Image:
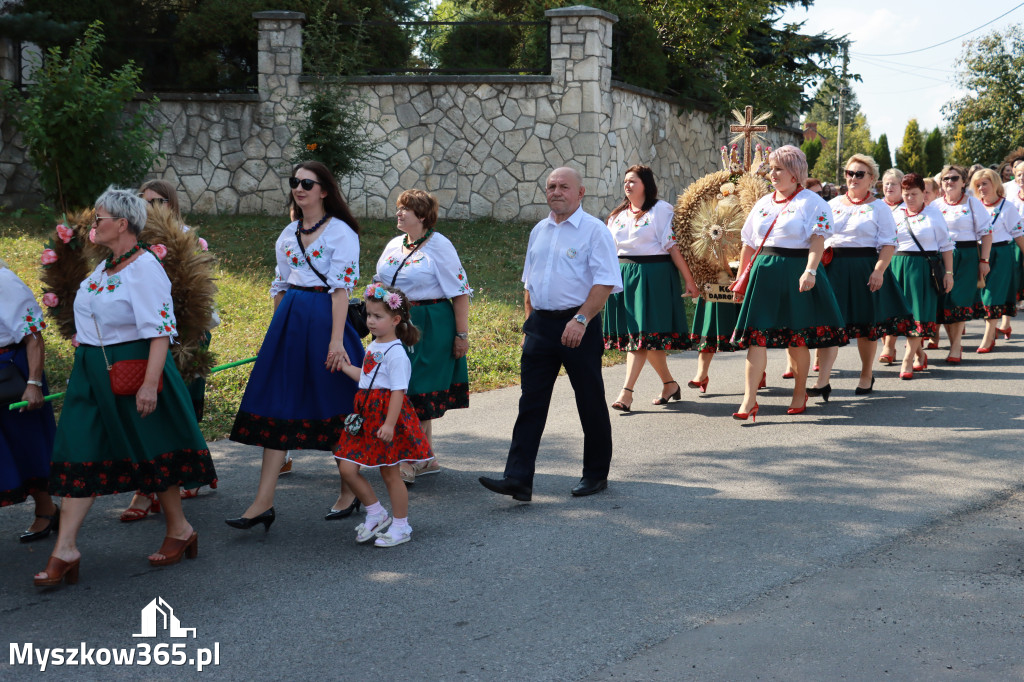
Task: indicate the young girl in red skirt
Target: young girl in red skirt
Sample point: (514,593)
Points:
(390,432)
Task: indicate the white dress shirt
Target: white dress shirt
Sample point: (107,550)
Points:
(861,226)
(929,227)
(648,235)
(395,367)
(131,305)
(564,261)
(432,271)
(335,255)
(805,215)
(1005,221)
(967,220)
(20,315)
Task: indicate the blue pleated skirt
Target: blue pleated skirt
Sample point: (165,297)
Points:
(26,442)
(291,401)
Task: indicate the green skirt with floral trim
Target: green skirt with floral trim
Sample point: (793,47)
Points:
(776,314)
(713,324)
(649,313)
(868,314)
(963,302)
(999,296)
(102,446)
(439,382)
(1018,272)
(913,273)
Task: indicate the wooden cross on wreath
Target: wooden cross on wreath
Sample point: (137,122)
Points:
(748,126)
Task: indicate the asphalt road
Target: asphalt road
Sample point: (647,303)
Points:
(860,540)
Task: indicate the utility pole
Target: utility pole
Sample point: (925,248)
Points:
(843,92)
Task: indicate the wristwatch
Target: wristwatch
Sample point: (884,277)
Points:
(462,335)
(814,273)
(581,318)
(33,382)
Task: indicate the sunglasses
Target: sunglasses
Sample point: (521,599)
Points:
(856,174)
(951,178)
(155,201)
(307,184)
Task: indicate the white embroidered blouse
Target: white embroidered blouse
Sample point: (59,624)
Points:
(20,315)
(929,227)
(395,369)
(862,226)
(1005,221)
(432,271)
(131,305)
(335,255)
(966,220)
(648,235)
(804,216)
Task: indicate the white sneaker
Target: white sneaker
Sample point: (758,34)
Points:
(393,537)
(373,525)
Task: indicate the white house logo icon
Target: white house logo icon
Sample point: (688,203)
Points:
(158,615)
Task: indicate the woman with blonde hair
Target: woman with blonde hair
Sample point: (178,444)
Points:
(892,191)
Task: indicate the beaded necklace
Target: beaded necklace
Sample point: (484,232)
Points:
(891,205)
(857,202)
(799,187)
(316,226)
(955,203)
(114,262)
(413,245)
(988,205)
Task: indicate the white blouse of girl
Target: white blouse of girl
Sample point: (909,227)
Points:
(929,227)
(967,220)
(647,235)
(130,305)
(862,226)
(433,271)
(395,368)
(1007,224)
(20,315)
(804,216)
(335,255)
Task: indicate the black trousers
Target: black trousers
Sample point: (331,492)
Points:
(543,355)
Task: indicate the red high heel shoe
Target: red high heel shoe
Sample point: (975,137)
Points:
(986,349)
(918,368)
(133,514)
(798,410)
(932,344)
(764,381)
(742,416)
(907,376)
(58,570)
(702,384)
(886,359)
(787,375)
(1005,332)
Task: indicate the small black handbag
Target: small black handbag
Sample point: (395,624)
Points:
(12,383)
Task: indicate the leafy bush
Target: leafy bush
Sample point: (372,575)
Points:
(80,131)
(812,150)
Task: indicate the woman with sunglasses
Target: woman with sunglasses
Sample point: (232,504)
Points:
(862,243)
(999,295)
(297,396)
(788,301)
(968,224)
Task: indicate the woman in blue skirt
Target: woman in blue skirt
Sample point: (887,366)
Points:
(297,396)
(788,302)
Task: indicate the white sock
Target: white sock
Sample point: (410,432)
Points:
(401,524)
(376,511)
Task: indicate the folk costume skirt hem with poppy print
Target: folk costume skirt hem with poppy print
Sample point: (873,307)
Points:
(649,312)
(439,382)
(868,314)
(963,302)
(292,402)
(26,441)
(913,273)
(409,443)
(713,324)
(776,314)
(999,297)
(103,446)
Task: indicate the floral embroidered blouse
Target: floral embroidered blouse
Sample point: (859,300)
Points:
(131,305)
(868,225)
(966,220)
(648,235)
(433,271)
(20,315)
(394,372)
(929,228)
(1005,221)
(335,255)
(804,216)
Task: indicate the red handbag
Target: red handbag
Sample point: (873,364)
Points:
(127,376)
(740,285)
(826,255)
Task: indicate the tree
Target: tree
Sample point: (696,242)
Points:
(812,150)
(989,120)
(881,154)
(934,153)
(911,156)
(81,132)
(856,140)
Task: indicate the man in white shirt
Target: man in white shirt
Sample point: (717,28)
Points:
(570,270)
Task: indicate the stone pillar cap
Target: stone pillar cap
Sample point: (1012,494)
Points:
(279,14)
(580,11)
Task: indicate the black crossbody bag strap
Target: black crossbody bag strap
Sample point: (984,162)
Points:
(402,264)
(298,238)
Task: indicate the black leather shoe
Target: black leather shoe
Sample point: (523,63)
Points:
(53,525)
(242,523)
(335,514)
(589,486)
(508,486)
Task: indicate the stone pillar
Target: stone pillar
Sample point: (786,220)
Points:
(581,95)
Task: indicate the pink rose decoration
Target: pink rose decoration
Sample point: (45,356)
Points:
(66,234)
(159,250)
(50,299)
(92,235)
(74,340)
(203,245)
(49,257)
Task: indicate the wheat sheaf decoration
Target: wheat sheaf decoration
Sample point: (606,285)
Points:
(716,230)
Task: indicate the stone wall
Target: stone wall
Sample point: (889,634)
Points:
(482,144)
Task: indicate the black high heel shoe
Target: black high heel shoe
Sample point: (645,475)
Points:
(32,536)
(825,391)
(242,523)
(678,395)
(335,514)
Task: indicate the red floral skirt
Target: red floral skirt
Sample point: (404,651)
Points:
(365,448)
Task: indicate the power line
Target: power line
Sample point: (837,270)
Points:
(909,73)
(944,42)
(900,92)
(879,62)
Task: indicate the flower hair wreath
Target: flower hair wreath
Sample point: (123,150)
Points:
(392,299)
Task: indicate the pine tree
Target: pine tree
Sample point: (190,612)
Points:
(812,150)
(882,155)
(911,156)
(933,150)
